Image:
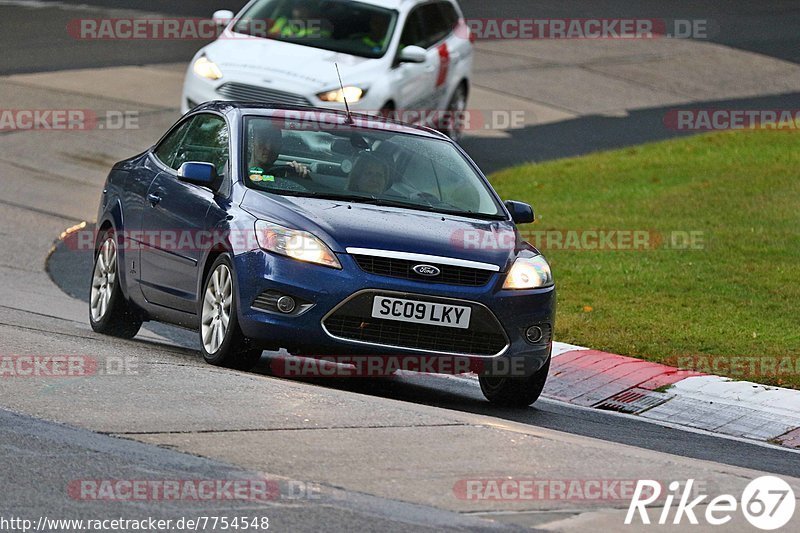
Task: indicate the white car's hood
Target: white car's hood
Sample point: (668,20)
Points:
(270,61)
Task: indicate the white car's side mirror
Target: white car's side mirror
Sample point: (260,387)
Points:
(413,54)
(222,17)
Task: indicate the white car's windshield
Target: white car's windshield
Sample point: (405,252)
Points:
(304,158)
(338,25)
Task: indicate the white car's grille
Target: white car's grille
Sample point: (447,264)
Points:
(250,93)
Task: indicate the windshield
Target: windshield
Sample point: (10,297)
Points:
(338,25)
(303,158)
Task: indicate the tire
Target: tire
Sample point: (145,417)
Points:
(109,312)
(388,111)
(515,392)
(453,126)
(221,339)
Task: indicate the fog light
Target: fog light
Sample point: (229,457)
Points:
(286,304)
(534,334)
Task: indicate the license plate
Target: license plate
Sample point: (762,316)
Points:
(435,314)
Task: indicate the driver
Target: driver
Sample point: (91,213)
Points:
(375,40)
(267,144)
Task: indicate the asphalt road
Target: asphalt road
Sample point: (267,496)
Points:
(767,28)
(385,454)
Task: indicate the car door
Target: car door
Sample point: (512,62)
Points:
(414,80)
(423,84)
(175,219)
(457,49)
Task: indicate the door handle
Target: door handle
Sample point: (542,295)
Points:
(154,199)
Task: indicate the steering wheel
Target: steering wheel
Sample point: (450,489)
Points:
(281,171)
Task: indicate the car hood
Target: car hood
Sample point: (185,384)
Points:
(269,61)
(345,225)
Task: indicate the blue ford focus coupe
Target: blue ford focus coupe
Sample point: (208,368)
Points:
(324,233)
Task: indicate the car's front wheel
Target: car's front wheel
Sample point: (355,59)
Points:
(453,120)
(222,340)
(515,392)
(109,312)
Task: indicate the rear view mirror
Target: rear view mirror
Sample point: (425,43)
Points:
(521,213)
(222,17)
(197,173)
(343,147)
(413,54)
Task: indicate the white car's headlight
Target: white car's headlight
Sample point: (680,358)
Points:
(300,245)
(205,68)
(529,273)
(353,95)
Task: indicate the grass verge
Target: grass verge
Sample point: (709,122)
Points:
(716,286)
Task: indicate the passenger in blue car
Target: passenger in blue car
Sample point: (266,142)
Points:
(370,175)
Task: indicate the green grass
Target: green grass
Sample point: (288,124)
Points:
(737,296)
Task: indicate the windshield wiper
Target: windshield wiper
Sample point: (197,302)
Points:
(434,209)
(374,200)
(360,198)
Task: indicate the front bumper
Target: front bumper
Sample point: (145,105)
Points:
(324,290)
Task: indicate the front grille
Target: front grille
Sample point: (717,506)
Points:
(251,93)
(353,321)
(402,268)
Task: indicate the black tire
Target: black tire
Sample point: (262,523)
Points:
(235,350)
(118,317)
(387,111)
(452,125)
(515,392)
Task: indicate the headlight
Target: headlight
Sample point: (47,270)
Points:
(353,94)
(205,68)
(300,245)
(529,273)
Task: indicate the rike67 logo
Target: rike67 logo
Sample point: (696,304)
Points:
(768,503)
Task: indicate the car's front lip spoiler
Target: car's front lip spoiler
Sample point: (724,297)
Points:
(418,350)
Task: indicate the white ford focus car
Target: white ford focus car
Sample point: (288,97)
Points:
(410,58)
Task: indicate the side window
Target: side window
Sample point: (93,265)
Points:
(413,30)
(436,27)
(168,147)
(449,15)
(206,141)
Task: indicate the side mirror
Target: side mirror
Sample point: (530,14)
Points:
(196,173)
(222,17)
(521,213)
(412,54)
